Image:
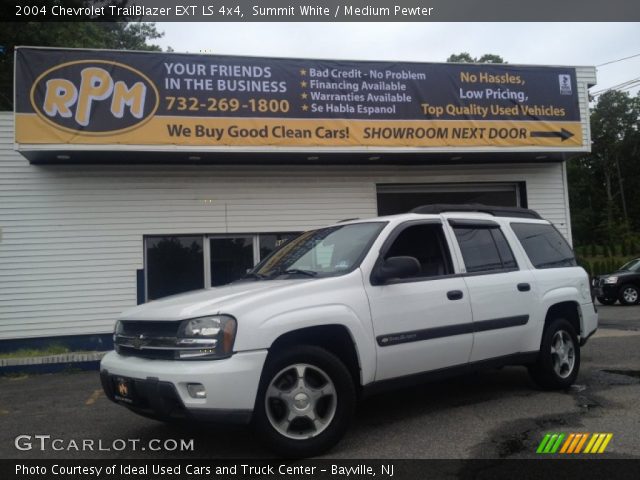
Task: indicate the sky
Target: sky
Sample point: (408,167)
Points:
(570,44)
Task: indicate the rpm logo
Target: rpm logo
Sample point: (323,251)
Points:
(94,97)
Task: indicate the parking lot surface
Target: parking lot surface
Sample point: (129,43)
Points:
(494,414)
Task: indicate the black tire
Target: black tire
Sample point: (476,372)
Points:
(606,300)
(629,294)
(555,370)
(301,437)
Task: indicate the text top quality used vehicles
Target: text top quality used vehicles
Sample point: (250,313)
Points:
(354,308)
(622,285)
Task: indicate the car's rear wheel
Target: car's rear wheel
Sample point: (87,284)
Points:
(606,300)
(629,294)
(559,359)
(305,401)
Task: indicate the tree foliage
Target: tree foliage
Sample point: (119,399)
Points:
(465,57)
(604,186)
(117,34)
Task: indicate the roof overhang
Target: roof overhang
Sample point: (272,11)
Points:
(195,157)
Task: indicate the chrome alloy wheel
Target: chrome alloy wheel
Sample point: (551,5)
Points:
(630,295)
(563,354)
(301,401)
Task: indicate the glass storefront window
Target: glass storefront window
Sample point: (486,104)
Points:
(270,241)
(174,265)
(230,259)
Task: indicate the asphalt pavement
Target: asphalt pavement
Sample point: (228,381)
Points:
(494,414)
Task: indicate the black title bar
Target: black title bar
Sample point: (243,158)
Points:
(322,10)
(392,469)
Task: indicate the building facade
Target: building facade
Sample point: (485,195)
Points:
(82,241)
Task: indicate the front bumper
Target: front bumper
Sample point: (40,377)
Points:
(588,322)
(607,290)
(160,386)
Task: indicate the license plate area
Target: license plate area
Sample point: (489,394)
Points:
(124,390)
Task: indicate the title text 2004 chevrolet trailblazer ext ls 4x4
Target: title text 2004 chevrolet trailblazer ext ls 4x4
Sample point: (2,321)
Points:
(352,308)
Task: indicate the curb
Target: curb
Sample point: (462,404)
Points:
(64,362)
(71,357)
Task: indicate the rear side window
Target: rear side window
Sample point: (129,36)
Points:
(545,246)
(484,249)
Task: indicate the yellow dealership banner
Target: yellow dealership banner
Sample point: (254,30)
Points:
(317,133)
(93,97)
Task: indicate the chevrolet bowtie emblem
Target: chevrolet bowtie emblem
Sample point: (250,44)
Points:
(139,341)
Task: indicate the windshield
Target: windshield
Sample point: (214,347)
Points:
(324,252)
(633,265)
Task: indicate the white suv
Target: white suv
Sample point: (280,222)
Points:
(354,308)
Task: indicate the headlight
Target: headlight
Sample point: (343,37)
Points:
(207,337)
(117,330)
(611,280)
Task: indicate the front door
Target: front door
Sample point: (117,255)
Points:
(424,322)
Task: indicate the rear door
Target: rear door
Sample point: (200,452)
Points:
(502,295)
(423,322)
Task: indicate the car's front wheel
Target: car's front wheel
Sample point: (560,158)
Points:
(629,294)
(305,401)
(559,359)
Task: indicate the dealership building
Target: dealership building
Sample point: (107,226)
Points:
(129,176)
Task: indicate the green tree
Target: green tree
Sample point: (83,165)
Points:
(117,34)
(604,197)
(465,57)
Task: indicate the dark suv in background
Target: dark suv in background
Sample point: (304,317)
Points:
(623,285)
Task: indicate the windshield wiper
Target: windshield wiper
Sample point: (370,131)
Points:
(257,276)
(308,273)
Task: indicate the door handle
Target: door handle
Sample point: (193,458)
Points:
(454,295)
(524,287)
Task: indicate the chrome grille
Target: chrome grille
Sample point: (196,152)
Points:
(156,340)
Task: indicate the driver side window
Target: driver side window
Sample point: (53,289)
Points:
(427,244)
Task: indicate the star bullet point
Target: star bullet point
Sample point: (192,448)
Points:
(303,72)
(304,95)
(303,84)
(305,108)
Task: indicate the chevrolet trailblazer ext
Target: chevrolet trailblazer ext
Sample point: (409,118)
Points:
(353,308)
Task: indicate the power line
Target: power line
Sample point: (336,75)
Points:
(621,86)
(619,60)
(630,87)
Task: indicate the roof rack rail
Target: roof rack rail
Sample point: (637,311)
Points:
(496,211)
(347,220)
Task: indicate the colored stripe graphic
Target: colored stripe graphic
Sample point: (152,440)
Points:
(555,447)
(581,443)
(605,442)
(552,442)
(567,443)
(590,444)
(543,443)
(598,443)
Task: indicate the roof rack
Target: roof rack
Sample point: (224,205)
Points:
(496,211)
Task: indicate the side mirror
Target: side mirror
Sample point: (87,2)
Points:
(396,267)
